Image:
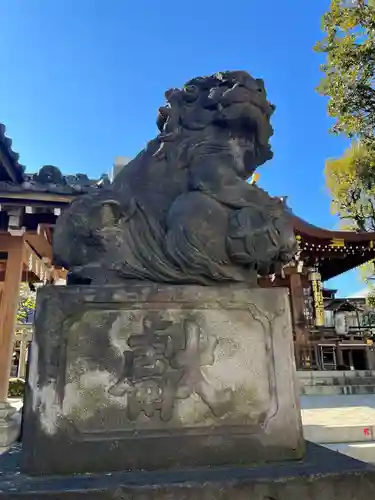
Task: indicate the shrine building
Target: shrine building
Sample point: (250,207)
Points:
(329,333)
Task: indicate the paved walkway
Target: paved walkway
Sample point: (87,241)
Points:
(343,410)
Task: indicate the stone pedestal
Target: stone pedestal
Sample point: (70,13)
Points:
(321,475)
(154,377)
(10,424)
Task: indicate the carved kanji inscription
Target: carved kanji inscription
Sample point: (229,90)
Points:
(164,363)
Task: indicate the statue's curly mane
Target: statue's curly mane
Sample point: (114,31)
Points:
(176,114)
(187,121)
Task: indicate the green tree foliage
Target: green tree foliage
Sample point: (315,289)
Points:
(370,299)
(351,181)
(348,82)
(16,388)
(26,305)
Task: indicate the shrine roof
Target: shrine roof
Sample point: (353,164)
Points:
(10,168)
(336,305)
(333,252)
(309,231)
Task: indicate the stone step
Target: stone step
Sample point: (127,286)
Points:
(334,373)
(332,390)
(336,381)
(339,433)
(360,451)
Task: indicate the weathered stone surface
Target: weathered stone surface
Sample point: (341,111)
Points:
(10,424)
(149,376)
(183,210)
(322,475)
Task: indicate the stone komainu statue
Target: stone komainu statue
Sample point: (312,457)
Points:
(183,211)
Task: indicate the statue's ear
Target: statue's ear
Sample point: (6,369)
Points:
(163,115)
(107,213)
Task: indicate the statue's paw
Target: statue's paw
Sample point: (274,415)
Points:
(120,388)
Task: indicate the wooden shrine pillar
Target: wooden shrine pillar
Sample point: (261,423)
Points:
(8,308)
(299,323)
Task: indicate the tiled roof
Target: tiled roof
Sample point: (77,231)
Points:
(12,156)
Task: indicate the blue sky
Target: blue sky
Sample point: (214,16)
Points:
(81,82)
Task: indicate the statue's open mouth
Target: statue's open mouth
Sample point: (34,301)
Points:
(246,118)
(249,125)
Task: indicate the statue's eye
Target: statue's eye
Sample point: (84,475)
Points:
(191,89)
(191,93)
